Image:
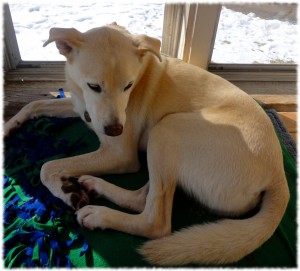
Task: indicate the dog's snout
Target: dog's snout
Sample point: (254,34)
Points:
(113,130)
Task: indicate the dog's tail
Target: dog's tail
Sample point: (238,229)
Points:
(222,242)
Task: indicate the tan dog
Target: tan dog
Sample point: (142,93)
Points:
(200,132)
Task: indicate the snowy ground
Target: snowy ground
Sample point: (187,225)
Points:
(241,38)
(33,19)
(246,38)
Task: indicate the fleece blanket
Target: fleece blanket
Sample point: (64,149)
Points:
(41,231)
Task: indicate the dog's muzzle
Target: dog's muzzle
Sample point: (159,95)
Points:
(113,130)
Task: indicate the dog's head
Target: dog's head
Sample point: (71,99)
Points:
(106,64)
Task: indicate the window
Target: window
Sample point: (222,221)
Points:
(194,36)
(33,19)
(257,34)
(193,32)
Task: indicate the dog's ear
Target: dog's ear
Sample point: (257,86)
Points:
(146,44)
(66,39)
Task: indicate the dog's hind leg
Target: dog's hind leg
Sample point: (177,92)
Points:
(51,108)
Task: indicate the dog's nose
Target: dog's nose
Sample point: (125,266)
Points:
(113,130)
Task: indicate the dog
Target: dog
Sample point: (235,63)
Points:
(200,133)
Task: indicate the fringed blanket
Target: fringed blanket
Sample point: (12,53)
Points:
(41,231)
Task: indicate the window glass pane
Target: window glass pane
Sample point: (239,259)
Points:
(33,19)
(257,33)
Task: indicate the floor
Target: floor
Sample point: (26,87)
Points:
(17,93)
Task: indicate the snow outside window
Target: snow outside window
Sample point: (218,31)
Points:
(247,34)
(33,19)
(257,34)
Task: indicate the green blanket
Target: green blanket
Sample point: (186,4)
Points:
(39,230)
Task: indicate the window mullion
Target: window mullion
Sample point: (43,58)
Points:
(172,28)
(205,28)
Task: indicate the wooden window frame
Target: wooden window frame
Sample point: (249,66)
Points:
(12,57)
(189,32)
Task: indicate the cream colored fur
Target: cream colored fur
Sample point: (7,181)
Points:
(200,132)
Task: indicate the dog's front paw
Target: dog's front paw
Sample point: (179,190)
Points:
(91,184)
(91,217)
(78,197)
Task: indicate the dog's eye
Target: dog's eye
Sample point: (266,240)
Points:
(128,86)
(95,87)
